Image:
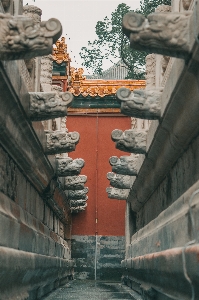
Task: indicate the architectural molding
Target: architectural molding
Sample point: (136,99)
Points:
(75,182)
(23,38)
(143,104)
(125,165)
(119,194)
(61,141)
(68,167)
(131,140)
(120,181)
(162,33)
(78,194)
(45,106)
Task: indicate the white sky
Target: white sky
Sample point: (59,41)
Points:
(79,18)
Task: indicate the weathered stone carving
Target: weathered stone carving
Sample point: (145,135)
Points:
(186,4)
(78,208)
(6,4)
(69,167)
(131,140)
(163,8)
(46,73)
(78,194)
(22,38)
(120,194)
(143,104)
(150,71)
(125,165)
(161,33)
(45,106)
(120,181)
(77,203)
(61,141)
(75,182)
(33,12)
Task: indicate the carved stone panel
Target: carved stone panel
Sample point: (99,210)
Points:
(125,165)
(22,38)
(120,181)
(143,104)
(131,140)
(119,194)
(46,106)
(75,182)
(78,194)
(61,141)
(161,33)
(69,167)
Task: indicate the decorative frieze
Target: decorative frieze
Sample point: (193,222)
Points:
(23,38)
(45,106)
(78,194)
(125,165)
(143,104)
(61,141)
(131,140)
(75,182)
(162,33)
(68,167)
(119,181)
(119,194)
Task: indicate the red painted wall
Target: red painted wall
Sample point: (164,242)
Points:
(96,147)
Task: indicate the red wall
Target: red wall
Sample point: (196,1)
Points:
(96,147)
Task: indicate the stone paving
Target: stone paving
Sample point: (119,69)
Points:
(91,290)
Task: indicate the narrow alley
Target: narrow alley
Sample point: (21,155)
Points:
(86,289)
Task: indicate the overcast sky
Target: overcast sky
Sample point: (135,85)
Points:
(78,18)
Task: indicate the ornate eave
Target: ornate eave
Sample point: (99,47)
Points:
(100,94)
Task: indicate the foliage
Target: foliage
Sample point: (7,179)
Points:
(111,43)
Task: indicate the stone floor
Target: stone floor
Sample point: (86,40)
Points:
(91,290)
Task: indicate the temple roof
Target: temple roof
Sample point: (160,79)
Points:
(98,93)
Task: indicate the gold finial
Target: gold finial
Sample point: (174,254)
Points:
(60,51)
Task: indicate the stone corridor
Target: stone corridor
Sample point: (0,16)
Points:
(92,290)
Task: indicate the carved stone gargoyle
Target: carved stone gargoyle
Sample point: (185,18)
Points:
(46,106)
(143,104)
(162,33)
(22,38)
(75,182)
(125,165)
(68,167)
(61,141)
(120,181)
(78,208)
(119,194)
(76,203)
(79,194)
(131,140)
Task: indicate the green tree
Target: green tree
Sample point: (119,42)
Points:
(111,43)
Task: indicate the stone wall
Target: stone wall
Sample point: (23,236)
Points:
(35,217)
(109,252)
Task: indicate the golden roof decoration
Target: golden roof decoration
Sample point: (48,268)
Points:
(76,75)
(102,88)
(60,51)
